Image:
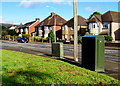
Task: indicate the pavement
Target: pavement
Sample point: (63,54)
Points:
(112,69)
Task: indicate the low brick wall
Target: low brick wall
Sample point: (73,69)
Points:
(112,44)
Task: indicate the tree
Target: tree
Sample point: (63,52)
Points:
(2,28)
(51,35)
(11,32)
(4,32)
(97,13)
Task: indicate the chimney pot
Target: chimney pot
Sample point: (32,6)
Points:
(37,19)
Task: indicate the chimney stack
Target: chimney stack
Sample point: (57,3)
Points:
(37,19)
(52,14)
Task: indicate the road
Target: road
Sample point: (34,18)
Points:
(111,54)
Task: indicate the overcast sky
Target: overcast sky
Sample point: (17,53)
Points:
(22,11)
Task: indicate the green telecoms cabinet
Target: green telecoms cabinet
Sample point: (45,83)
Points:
(93,52)
(57,49)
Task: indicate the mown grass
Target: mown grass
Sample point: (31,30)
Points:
(21,68)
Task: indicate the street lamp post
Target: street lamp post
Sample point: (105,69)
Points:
(75,31)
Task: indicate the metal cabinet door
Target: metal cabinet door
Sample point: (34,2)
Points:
(99,59)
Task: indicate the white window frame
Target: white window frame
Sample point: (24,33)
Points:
(26,29)
(72,28)
(66,36)
(45,35)
(21,30)
(66,27)
(46,28)
(63,28)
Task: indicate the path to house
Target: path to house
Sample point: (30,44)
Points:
(44,49)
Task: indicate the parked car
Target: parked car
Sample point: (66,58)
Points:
(22,40)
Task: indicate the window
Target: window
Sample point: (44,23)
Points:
(72,28)
(93,25)
(45,35)
(39,28)
(65,36)
(21,30)
(46,28)
(66,27)
(40,35)
(26,29)
(90,25)
(105,25)
(63,28)
(72,36)
(50,28)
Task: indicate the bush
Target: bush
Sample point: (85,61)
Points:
(37,38)
(7,35)
(11,36)
(32,38)
(46,38)
(80,39)
(16,37)
(26,35)
(51,35)
(108,38)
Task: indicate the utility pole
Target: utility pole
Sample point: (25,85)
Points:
(55,27)
(75,31)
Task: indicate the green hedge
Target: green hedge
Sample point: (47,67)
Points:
(26,35)
(7,35)
(37,38)
(108,38)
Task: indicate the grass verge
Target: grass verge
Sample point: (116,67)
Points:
(21,68)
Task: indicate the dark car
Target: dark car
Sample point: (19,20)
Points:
(22,40)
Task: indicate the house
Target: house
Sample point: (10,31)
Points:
(106,24)
(13,27)
(95,24)
(52,22)
(68,28)
(29,28)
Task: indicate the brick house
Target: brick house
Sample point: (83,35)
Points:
(28,28)
(106,24)
(51,22)
(68,28)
